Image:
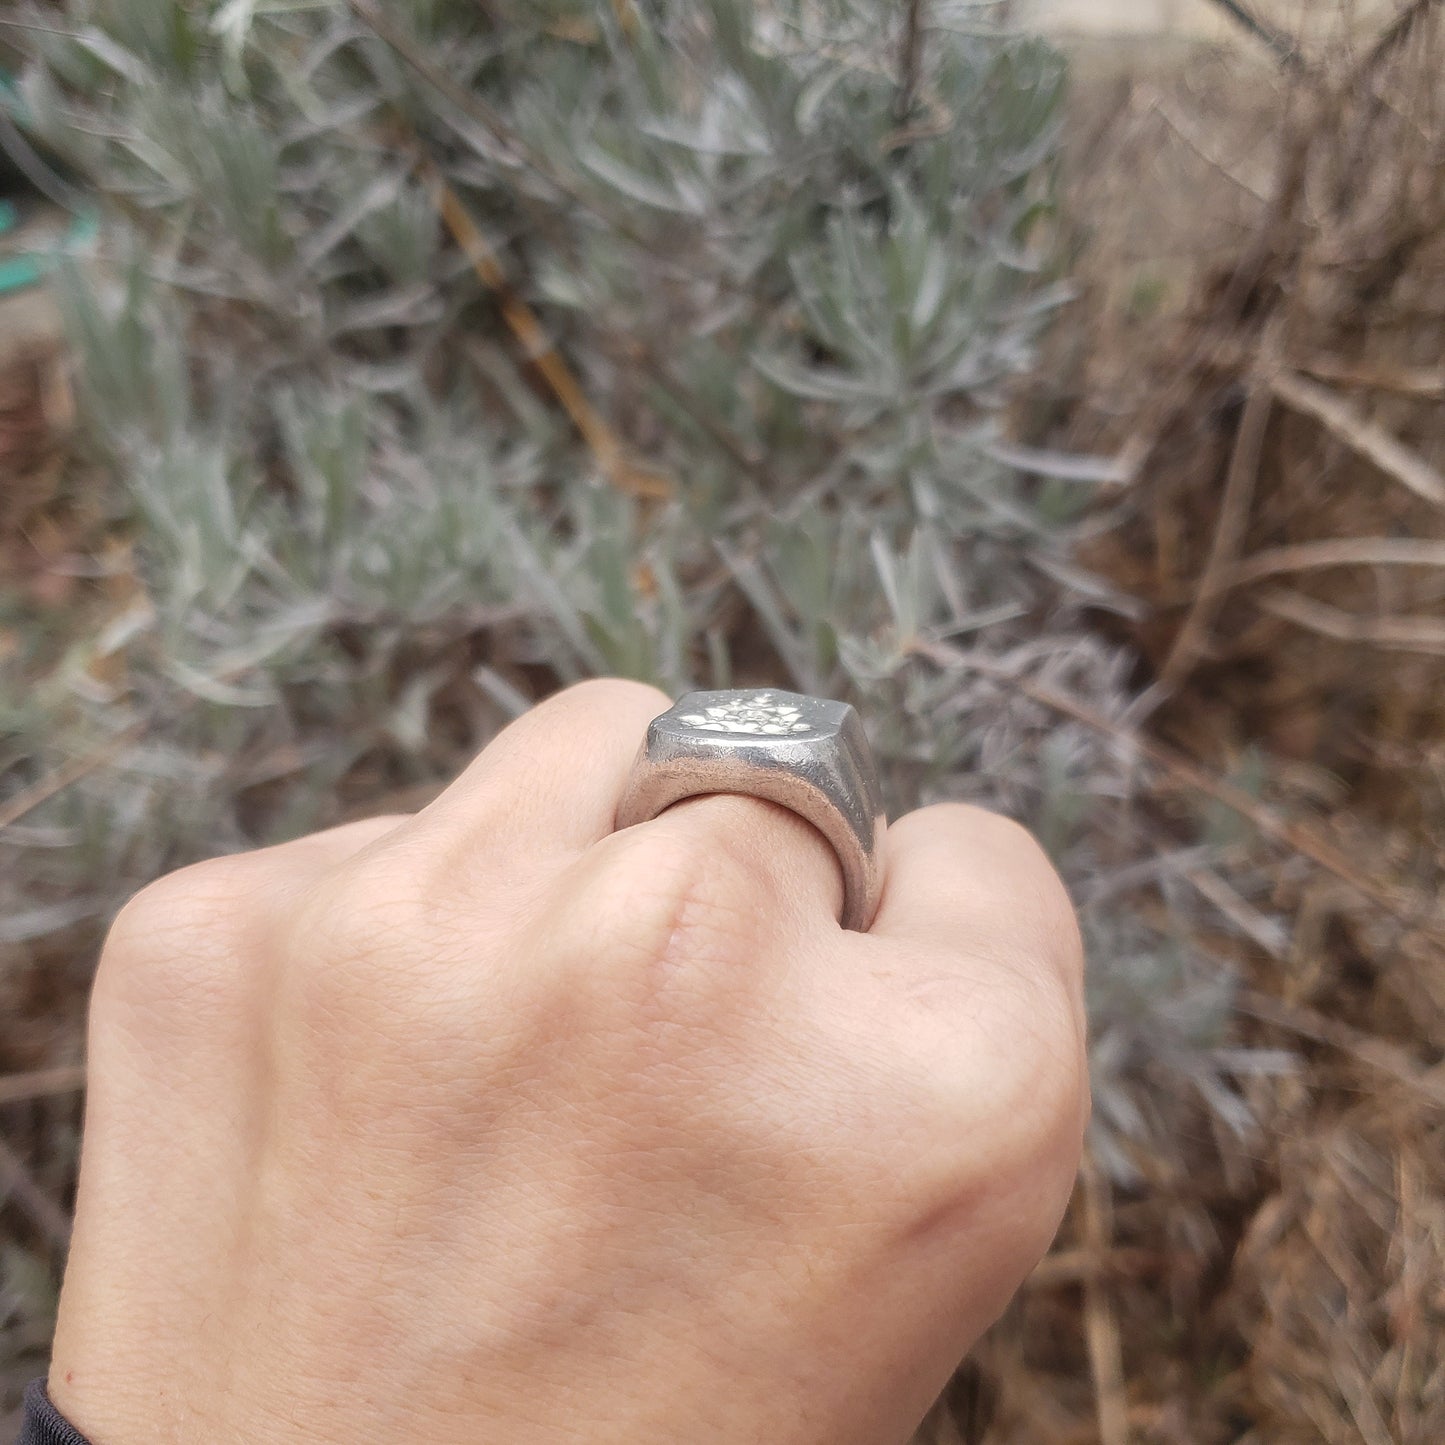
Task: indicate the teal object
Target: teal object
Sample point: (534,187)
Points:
(18,273)
(29,268)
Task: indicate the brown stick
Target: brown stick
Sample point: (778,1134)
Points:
(1101,1327)
(1378,1053)
(47,787)
(910,61)
(1393,34)
(537,348)
(41,1083)
(1397,634)
(1372,442)
(46,1214)
(1271,824)
(1285,50)
(1337,552)
(1234,512)
(1417,381)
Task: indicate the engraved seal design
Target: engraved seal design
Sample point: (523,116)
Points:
(760,713)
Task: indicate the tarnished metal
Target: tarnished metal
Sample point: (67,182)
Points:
(807,754)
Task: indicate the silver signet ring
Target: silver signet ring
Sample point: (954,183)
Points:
(804,753)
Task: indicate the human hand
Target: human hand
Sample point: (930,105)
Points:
(493,1125)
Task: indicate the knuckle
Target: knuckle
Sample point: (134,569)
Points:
(176,947)
(354,920)
(199,897)
(368,962)
(650,908)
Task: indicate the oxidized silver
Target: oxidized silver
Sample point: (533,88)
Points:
(807,754)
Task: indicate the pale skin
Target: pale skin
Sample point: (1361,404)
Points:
(492,1125)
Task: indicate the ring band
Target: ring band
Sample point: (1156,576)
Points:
(807,754)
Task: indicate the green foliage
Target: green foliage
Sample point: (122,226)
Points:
(363,531)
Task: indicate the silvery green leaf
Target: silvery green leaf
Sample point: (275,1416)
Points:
(932,286)
(813,96)
(113,55)
(512,702)
(633,184)
(40,921)
(1062,466)
(813,383)
(380,191)
(218,690)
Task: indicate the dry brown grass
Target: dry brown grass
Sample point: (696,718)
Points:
(1263,347)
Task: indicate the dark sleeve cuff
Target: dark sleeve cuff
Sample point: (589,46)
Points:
(44,1424)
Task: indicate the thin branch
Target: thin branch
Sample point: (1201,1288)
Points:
(538,349)
(1265,933)
(910,60)
(1372,442)
(1397,31)
(1297,837)
(1235,507)
(45,1213)
(72,772)
(1069,1268)
(1419,381)
(1284,49)
(1338,552)
(1378,1053)
(1395,634)
(478,111)
(1189,133)
(41,1083)
(1101,1325)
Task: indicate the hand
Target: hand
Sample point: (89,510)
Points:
(492,1125)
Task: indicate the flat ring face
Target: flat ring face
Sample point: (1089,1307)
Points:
(808,754)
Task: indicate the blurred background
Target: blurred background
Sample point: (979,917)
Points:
(1059,382)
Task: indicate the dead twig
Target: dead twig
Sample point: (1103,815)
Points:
(1191,135)
(1399,634)
(1234,511)
(41,1083)
(1297,837)
(1229,355)
(46,788)
(910,59)
(1370,441)
(1066,1268)
(538,349)
(1420,381)
(1336,552)
(1378,1053)
(1101,1327)
(1283,48)
(1397,31)
(44,1212)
